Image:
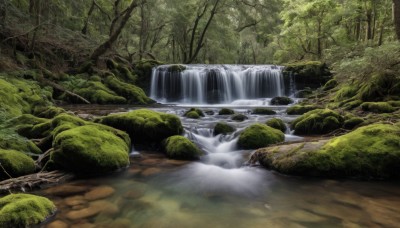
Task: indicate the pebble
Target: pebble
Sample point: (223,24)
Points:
(100,192)
(57,224)
(150,171)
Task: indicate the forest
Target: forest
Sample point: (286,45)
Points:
(199,113)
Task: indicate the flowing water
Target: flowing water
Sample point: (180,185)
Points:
(219,190)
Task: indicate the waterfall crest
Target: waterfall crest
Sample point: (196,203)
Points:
(216,84)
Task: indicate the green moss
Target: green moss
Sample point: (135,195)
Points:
(10,140)
(330,85)
(258,136)
(319,121)
(394,103)
(346,92)
(85,67)
(226,111)
(239,117)
(24,210)
(49,112)
(300,109)
(145,125)
(353,122)
(350,104)
(132,93)
(379,86)
(281,101)
(277,124)
(89,149)
(194,113)
(15,163)
(378,107)
(111,64)
(179,147)
(176,68)
(263,111)
(223,128)
(65,122)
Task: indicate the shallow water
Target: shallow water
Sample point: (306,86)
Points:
(220,190)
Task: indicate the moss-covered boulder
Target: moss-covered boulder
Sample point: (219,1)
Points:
(258,136)
(194,113)
(300,109)
(369,152)
(89,150)
(49,112)
(223,128)
(179,147)
(378,107)
(15,164)
(319,121)
(263,111)
(281,101)
(352,123)
(226,111)
(132,93)
(176,68)
(145,125)
(277,124)
(9,139)
(330,85)
(24,210)
(239,117)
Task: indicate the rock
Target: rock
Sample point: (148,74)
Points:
(75,201)
(134,194)
(239,117)
(378,107)
(24,210)
(330,85)
(150,171)
(352,155)
(277,124)
(319,121)
(300,109)
(95,207)
(151,161)
(194,113)
(281,101)
(66,190)
(209,112)
(145,125)
(263,111)
(100,192)
(78,150)
(15,163)
(223,128)
(258,136)
(353,122)
(226,111)
(57,224)
(181,148)
(83,225)
(304,216)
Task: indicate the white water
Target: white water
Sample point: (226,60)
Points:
(217,84)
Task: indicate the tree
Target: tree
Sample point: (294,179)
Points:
(117,25)
(396,16)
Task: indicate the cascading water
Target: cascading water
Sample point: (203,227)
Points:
(216,84)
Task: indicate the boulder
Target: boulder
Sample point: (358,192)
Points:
(15,164)
(277,124)
(319,121)
(263,111)
(181,148)
(258,136)
(226,111)
(223,128)
(281,101)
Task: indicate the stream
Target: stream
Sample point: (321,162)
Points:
(219,190)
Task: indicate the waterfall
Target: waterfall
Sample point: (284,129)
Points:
(216,84)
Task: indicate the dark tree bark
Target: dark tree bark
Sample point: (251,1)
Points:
(396,16)
(85,26)
(117,25)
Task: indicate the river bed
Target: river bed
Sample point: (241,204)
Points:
(220,190)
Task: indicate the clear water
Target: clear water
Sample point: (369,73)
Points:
(220,190)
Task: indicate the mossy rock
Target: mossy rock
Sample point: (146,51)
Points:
(15,164)
(394,103)
(281,101)
(176,68)
(378,87)
(194,113)
(11,140)
(353,122)
(306,92)
(145,125)
(346,92)
(239,117)
(24,210)
(330,85)
(369,152)
(319,121)
(300,109)
(90,149)
(258,136)
(378,107)
(263,111)
(181,148)
(223,128)
(132,93)
(49,112)
(277,124)
(226,111)
(350,104)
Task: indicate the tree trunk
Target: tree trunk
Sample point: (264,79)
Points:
(3,14)
(116,30)
(396,17)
